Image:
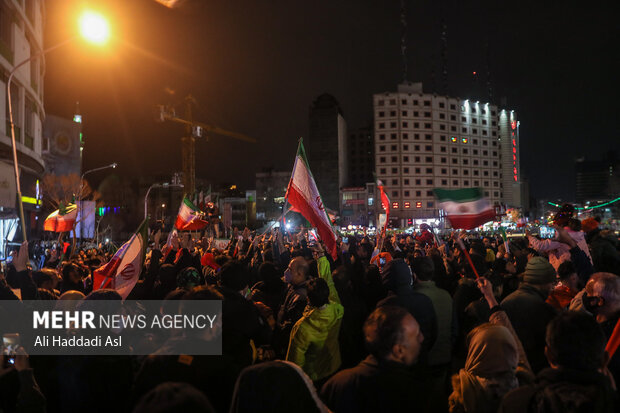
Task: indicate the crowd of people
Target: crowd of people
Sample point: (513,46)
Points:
(400,323)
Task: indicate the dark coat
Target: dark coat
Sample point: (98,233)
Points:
(563,391)
(272,295)
(604,252)
(293,306)
(242,322)
(529,314)
(215,376)
(398,281)
(372,386)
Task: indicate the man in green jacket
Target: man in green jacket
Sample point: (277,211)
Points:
(313,345)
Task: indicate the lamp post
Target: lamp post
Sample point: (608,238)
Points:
(112,165)
(95,29)
(148,191)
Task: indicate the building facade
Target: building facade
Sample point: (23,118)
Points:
(270,190)
(597,180)
(361,157)
(326,148)
(21,37)
(424,141)
(358,206)
(61,147)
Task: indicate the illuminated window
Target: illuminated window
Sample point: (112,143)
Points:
(418,204)
(464,140)
(395,205)
(407,205)
(453,138)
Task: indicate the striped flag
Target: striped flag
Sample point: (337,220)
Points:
(385,202)
(465,208)
(61,220)
(188,218)
(168,247)
(304,196)
(121,273)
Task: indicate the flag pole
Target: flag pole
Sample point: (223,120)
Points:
(289,185)
(614,341)
(471,264)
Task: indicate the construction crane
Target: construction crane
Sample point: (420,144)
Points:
(193,130)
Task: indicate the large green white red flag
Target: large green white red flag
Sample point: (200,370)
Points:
(121,273)
(61,220)
(188,218)
(465,208)
(304,196)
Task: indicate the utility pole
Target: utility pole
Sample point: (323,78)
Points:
(188,149)
(193,130)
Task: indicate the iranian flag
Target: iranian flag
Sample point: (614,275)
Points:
(304,196)
(121,273)
(385,202)
(61,220)
(465,208)
(188,218)
(168,247)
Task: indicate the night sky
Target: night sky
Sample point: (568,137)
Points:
(255,67)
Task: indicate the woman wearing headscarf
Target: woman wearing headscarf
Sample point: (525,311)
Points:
(495,364)
(489,372)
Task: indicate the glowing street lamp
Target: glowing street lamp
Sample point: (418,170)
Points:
(95,29)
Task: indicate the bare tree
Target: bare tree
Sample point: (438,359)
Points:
(66,189)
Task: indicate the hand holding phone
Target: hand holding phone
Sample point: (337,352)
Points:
(10,344)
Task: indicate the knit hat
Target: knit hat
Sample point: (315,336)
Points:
(589,225)
(539,271)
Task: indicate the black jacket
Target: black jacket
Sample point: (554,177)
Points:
(215,376)
(373,386)
(529,314)
(563,391)
(604,252)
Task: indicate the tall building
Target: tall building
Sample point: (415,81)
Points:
(61,146)
(515,190)
(21,36)
(326,148)
(424,141)
(597,180)
(361,157)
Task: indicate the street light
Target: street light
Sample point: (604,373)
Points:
(112,165)
(90,35)
(148,191)
(80,194)
(94,27)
